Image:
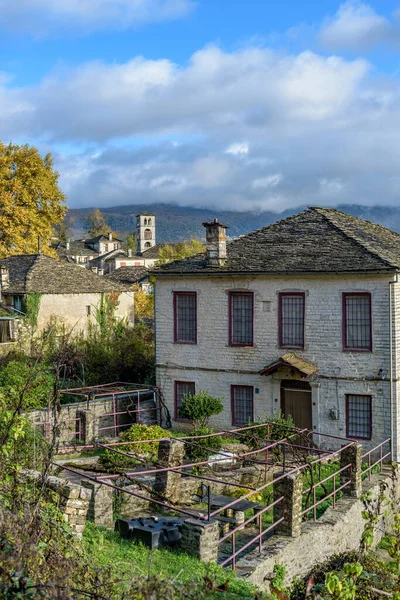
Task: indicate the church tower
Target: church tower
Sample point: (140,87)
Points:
(145,232)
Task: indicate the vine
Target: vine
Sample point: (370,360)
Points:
(105,311)
(32,307)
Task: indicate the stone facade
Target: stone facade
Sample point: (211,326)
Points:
(78,310)
(213,365)
(72,500)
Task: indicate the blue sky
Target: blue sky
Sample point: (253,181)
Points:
(241,104)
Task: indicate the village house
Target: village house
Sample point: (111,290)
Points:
(57,291)
(104,254)
(300,317)
(132,276)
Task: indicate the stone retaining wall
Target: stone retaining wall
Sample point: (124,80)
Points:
(338,530)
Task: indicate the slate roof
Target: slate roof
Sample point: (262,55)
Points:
(128,275)
(112,254)
(76,248)
(46,275)
(292,360)
(313,241)
(101,238)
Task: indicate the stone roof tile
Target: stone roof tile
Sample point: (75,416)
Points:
(313,241)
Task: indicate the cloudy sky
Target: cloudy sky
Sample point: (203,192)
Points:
(240,104)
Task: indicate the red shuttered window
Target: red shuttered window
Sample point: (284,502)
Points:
(357,322)
(241,317)
(185,317)
(359,416)
(182,388)
(291,320)
(242,398)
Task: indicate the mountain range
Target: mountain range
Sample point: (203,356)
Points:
(177,223)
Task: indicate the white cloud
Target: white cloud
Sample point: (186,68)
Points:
(42,17)
(268,181)
(357,26)
(253,128)
(250,90)
(238,148)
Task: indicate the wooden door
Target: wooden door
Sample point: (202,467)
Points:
(297,403)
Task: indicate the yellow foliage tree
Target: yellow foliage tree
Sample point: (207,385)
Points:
(97,224)
(31,203)
(180,250)
(144,302)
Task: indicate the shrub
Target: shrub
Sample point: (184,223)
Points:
(276,428)
(26,383)
(136,433)
(199,407)
(205,447)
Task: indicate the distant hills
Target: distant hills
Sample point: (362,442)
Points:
(177,223)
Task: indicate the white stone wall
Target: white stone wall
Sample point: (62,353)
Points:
(214,365)
(71,309)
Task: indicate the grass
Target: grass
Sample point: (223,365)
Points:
(132,559)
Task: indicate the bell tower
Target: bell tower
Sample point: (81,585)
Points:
(145,232)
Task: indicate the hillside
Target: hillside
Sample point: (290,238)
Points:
(176,223)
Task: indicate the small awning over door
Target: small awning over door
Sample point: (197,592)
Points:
(304,367)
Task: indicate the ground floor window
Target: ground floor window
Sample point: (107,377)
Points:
(5,331)
(242,404)
(358,416)
(182,388)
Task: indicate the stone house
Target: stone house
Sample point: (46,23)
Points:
(83,252)
(132,276)
(300,317)
(60,291)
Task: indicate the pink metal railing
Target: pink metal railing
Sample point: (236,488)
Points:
(47,425)
(382,457)
(336,490)
(257,538)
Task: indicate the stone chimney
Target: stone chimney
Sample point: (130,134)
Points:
(110,236)
(67,244)
(130,252)
(4,278)
(216,243)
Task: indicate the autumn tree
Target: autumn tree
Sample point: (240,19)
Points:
(180,250)
(31,203)
(97,224)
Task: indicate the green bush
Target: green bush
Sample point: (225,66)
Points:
(205,447)
(276,428)
(136,433)
(26,383)
(199,407)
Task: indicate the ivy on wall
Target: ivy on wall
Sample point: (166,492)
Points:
(32,307)
(105,311)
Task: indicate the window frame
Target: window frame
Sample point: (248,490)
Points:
(345,347)
(233,293)
(233,387)
(282,295)
(176,413)
(175,300)
(357,437)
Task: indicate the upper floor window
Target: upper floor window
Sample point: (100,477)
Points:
(241,315)
(242,404)
(358,416)
(182,388)
(291,319)
(147,234)
(185,317)
(357,324)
